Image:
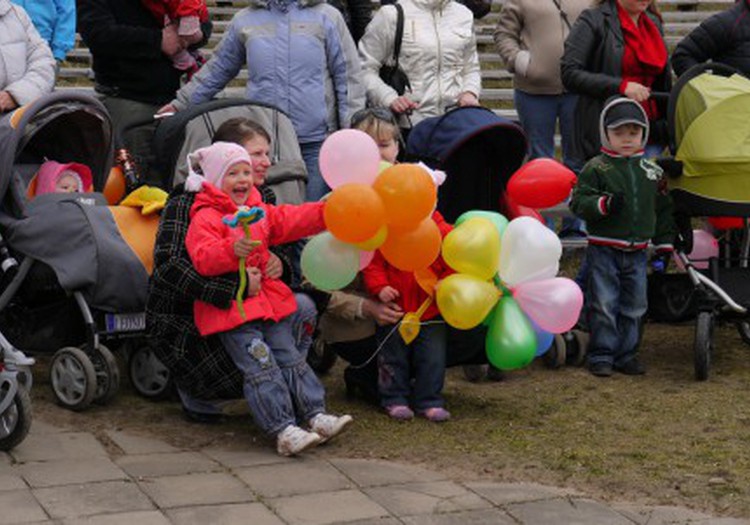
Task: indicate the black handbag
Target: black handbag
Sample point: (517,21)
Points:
(393,75)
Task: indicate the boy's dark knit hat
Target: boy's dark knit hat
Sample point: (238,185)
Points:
(625,113)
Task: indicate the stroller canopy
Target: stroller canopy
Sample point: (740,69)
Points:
(194,128)
(712,133)
(477,149)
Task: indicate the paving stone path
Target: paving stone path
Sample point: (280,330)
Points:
(63,477)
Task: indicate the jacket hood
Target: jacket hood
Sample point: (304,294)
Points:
(4,7)
(431,5)
(212,197)
(50,171)
(608,106)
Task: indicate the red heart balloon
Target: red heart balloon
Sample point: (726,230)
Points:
(541,183)
(513,210)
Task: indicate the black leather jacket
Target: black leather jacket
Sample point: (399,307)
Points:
(724,37)
(591,67)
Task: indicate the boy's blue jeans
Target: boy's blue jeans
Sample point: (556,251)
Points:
(616,302)
(280,387)
(425,356)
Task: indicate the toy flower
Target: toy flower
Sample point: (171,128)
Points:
(244,217)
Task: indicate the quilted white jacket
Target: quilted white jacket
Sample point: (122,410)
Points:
(27,67)
(438,54)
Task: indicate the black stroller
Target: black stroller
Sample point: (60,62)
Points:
(78,283)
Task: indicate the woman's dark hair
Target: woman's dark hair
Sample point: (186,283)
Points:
(239,130)
(651,8)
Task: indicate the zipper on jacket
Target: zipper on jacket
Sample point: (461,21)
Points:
(441,110)
(634,188)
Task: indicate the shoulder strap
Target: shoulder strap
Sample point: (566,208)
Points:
(399,31)
(563,14)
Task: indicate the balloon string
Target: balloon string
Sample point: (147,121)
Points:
(382,344)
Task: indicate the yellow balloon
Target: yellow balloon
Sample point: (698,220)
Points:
(473,248)
(374,242)
(384,165)
(465,300)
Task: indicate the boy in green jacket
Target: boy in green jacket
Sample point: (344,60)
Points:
(623,198)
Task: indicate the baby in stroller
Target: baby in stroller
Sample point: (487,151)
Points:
(54,177)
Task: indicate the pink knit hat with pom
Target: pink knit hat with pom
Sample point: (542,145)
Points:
(51,171)
(213,162)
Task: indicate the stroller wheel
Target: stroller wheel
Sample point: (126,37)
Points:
(25,378)
(15,421)
(321,357)
(555,356)
(743,327)
(73,378)
(703,344)
(148,375)
(107,375)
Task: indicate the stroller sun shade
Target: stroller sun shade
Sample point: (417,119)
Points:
(477,149)
(712,132)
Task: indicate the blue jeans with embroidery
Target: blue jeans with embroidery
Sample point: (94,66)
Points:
(616,303)
(280,387)
(423,359)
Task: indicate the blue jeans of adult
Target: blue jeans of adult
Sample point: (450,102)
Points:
(616,302)
(280,387)
(303,323)
(539,115)
(423,358)
(316,186)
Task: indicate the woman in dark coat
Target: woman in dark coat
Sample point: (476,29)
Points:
(723,37)
(616,47)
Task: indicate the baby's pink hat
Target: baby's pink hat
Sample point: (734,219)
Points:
(214,161)
(50,171)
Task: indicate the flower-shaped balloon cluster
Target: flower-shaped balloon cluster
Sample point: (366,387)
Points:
(373,205)
(243,218)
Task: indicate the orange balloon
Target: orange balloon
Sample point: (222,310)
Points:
(114,188)
(354,213)
(415,249)
(408,193)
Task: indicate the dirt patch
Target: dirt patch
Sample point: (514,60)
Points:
(660,439)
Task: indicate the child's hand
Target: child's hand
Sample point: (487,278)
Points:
(274,267)
(254,277)
(243,247)
(382,313)
(388,294)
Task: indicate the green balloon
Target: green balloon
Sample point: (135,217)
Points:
(495,218)
(511,341)
(328,263)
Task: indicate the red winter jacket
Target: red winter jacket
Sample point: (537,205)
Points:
(380,273)
(210,244)
(176,9)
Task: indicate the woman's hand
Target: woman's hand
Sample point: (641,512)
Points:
(403,104)
(254,277)
(382,313)
(274,267)
(243,247)
(467,98)
(166,110)
(637,92)
(388,294)
(171,43)
(7,102)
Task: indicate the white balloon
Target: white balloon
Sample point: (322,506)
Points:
(529,252)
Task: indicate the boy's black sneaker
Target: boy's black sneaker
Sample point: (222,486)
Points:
(601,369)
(631,368)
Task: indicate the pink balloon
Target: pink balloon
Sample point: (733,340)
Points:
(705,246)
(553,304)
(365,258)
(349,155)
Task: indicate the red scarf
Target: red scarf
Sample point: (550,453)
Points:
(645,54)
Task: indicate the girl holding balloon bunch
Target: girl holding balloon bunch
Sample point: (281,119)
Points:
(282,391)
(424,358)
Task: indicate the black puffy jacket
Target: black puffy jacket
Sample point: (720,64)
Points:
(591,67)
(724,37)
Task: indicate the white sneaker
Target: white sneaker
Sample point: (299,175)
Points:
(328,425)
(293,440)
